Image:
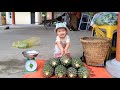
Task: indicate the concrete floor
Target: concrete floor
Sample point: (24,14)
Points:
(12,60)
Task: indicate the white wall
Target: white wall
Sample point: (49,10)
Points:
(8,18)
(38,18)
(22,18)
(49,15)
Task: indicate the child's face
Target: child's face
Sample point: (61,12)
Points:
(61,32)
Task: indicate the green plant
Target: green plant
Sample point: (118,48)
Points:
(3,13)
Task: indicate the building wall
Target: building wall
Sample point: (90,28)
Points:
(0,19)
(8,17)
(49,15)
(22,18)
(38,18)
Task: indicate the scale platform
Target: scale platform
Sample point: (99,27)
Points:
(30,62)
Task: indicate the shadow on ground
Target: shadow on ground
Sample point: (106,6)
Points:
(11,67)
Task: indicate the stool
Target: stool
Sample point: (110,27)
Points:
(105,31)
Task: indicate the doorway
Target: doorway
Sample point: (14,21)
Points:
(32,17)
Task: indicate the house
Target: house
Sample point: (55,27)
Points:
(29,17)
(22,17)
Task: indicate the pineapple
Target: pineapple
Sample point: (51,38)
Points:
(65,60)
(60,71)
(83,72)
(48,70)
(54,62)
(71,72)
(77,63)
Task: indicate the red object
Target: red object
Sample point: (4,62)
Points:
(13,17)
(95,72)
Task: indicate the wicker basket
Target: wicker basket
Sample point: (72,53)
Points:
(95,50)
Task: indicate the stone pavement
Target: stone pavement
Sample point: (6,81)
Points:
(12,60)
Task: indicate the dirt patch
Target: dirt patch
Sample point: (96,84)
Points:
(11,67)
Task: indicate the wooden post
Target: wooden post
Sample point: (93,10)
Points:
(118,40)
(52,15)
(13,17)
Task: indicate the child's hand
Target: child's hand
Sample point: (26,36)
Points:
(62,52)
(66,51)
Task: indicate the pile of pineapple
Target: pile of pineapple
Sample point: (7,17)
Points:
(65,67)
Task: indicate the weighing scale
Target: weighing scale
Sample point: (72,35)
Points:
(30,61)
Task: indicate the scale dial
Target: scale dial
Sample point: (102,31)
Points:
(31,65)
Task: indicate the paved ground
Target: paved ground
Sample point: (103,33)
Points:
(12,60)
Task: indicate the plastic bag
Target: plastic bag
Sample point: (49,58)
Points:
(30,42)
(106,18)
(20,44)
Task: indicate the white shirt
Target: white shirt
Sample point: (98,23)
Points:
(64,40)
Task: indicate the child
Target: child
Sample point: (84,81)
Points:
(62,43)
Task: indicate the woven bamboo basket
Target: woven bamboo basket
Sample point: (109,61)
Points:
(95,50)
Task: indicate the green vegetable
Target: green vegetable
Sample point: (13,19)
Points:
(106,18)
